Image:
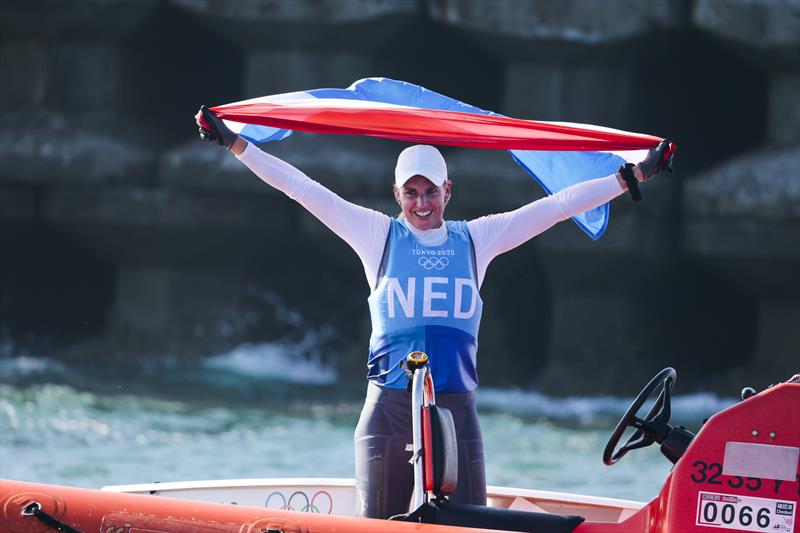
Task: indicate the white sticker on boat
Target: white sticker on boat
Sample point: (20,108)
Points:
(745,513)
(748,459)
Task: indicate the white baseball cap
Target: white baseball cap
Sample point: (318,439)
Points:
(420,160)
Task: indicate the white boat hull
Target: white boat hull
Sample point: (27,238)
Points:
(337,496)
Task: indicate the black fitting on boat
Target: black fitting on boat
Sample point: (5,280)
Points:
(676,442)
(34,509)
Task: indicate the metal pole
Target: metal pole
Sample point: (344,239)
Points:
(417,399)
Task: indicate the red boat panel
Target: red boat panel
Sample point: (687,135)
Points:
(696,492)
(699,496)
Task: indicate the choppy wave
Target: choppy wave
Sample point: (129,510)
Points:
(23,367)
(589,409)
(275,361)
(58,434)
(246,368)
(71,434)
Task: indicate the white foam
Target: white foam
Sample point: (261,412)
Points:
(22,366)
(533,403)
(278,361)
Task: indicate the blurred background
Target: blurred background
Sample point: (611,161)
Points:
(138,264)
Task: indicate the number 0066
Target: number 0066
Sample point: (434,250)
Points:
(744,512)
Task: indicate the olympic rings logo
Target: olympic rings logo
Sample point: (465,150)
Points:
(321,502)
(433,262)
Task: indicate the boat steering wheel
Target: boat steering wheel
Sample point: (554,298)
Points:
(649,429)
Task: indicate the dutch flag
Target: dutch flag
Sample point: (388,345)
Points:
(556,154)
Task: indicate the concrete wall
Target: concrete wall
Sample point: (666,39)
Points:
(122,235)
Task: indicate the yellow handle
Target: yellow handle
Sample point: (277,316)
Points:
(417,357)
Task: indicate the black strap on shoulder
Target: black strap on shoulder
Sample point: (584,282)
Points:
(384,258)
(474,259)
(626,172)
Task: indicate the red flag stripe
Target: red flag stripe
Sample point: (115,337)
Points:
(435,127)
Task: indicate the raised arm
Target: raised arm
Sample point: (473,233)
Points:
(364,229)
(496,234)
(499,233)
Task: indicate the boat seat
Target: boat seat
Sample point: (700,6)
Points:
(440,450)
(440,475)
(444,512)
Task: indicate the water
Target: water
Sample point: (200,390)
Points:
(244,414)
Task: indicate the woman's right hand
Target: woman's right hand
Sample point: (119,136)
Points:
(213,129)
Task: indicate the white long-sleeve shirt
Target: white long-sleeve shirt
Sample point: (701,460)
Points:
(365,230)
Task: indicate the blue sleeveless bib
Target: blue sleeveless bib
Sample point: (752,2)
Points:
(427,299)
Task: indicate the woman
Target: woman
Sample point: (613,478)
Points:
(424,274)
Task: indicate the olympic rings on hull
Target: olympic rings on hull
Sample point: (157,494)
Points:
(433,262)
(321,502)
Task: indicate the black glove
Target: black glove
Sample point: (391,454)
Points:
(213,129)
(658,159)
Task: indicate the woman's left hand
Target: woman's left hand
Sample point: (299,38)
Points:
(658,159)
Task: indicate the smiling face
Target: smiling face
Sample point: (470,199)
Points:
(423,202)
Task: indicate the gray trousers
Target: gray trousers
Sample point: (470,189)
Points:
(384,477)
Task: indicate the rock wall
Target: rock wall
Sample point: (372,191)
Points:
(122,235)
